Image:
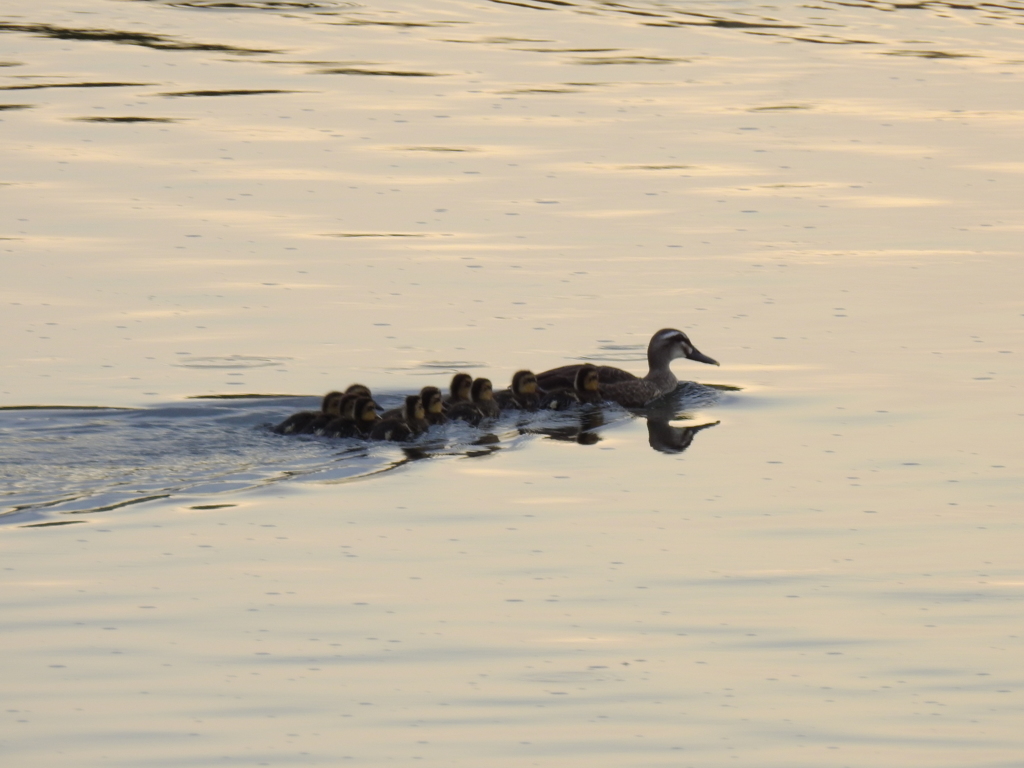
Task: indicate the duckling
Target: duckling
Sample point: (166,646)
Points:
(433,405)
(522,395)
(359,390)
(459,390)
(331,411)
(297,422)
(586,389)
(411,423)
(482,406)
(631,391)
(357,422)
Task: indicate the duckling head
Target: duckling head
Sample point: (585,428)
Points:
(431,399)
(330,402)
(366,410)
(360,390)
(482,390)
(461,386)
(587,378)
(524,383)
(669,344)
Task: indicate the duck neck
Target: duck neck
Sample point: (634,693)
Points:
(660,373)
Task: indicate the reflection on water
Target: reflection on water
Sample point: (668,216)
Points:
(74,461)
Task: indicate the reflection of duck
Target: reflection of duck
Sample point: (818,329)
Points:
(584,432)
(522,395)
(411,422)
(459,391)
(586,389)
(629,390)
(358,424)
(663,437)
(481,407)
(298,423)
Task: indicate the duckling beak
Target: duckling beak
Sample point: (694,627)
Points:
(701,358)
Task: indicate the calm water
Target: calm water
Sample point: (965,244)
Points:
(819,568)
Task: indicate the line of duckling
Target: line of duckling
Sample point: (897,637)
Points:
(353,413)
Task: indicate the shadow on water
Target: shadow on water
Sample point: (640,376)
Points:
(81,460)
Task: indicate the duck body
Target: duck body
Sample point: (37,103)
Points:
(625,388)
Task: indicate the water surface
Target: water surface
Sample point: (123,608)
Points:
(276,198)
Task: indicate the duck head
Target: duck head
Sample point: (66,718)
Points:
(669,344)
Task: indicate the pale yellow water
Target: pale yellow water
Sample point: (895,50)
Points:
(825,198)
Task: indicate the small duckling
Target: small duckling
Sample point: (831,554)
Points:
(411,423)
(459,391)
(297,422)
(358,423)
(433,405)
(331,411)
(522,395)
(482,406)
(586,389)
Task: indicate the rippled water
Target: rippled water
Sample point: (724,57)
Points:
(213,212)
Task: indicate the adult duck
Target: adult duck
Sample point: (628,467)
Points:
(627,389)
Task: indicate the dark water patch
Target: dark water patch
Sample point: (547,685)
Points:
(232,362)
(65,408)
(928,54)
(375,72)
(778,108)
(11,107)
(433,149)
(227,92)
(53,524)
(258,5)
(666,167)
(119,37)
(540,90)
(611,60)
(213,506)
(11,64)
(376,234)
(399,24)
(38,86)
(246,396)
(521,5)
(125,119)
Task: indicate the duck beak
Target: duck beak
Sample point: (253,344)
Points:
(701,358)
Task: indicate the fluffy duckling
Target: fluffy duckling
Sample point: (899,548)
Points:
(357,423)
(412,422)
(433,405)
(460,390)
(298,422)
(586,389)
(331,411)
(627,389)
(482,406)
(522,395)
